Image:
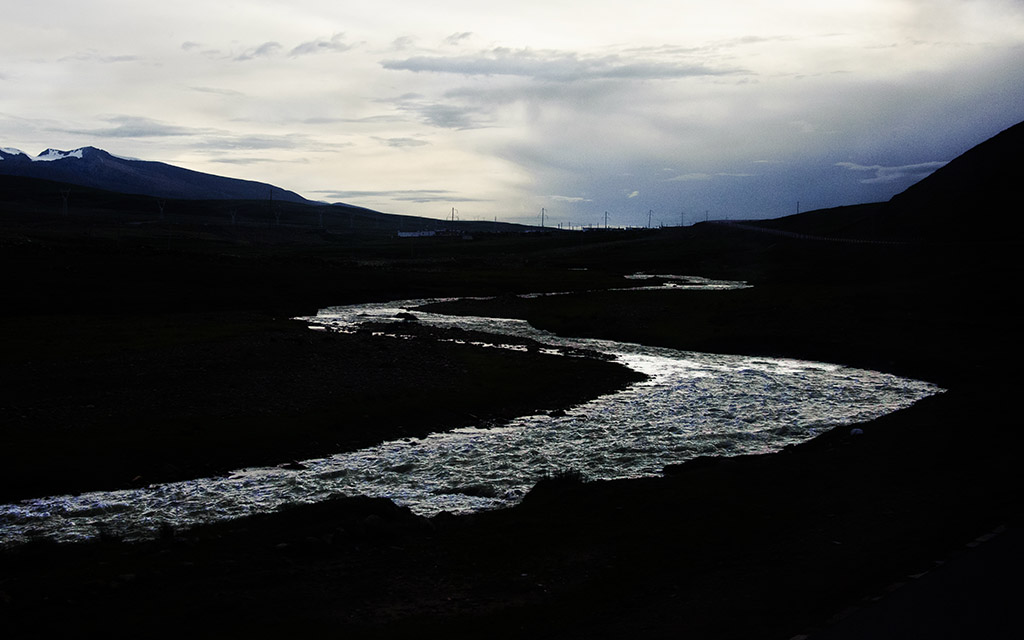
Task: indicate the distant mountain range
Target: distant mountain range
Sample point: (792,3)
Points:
(97,169)
(978,195)
(90,184)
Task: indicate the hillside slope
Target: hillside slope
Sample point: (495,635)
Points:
(92,167)
(976,196)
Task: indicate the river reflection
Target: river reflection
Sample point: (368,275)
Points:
(691,404)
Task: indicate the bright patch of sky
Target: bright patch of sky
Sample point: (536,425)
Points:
(734,109)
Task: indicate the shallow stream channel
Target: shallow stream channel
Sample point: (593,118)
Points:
(691,404)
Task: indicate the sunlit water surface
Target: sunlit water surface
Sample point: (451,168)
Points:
(692,404)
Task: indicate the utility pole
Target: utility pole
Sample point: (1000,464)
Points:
(605,219)
(64,195)
(542,212)
(650,212)
(273,210)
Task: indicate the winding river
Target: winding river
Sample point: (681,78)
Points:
(692,404)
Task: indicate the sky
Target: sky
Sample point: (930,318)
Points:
(660,112)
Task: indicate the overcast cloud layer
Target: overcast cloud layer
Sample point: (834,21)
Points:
(668,111)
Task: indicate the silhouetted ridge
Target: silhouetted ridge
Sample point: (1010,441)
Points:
(977,195)
(92,167)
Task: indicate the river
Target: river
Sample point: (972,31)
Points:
(691,404)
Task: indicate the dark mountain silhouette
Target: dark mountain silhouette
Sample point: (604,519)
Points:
(978,193)
(34,199)
(976,196)
(93,183)
(95,168)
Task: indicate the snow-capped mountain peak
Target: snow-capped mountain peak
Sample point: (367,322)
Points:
(54,154)
(47,156)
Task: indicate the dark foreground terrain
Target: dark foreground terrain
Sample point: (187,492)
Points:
(179,349)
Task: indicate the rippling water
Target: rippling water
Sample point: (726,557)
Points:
(692,404)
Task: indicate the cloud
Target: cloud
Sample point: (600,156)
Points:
(450,116)
(445,115)
(319,120)
(229,141)
(885,174)
(137,127)
(264,50)
(403,142)
(202,139)
(569,199)
(703,177)
(218,91)
(558,66)
(420,196)
(334,44)
(691,177)
(94,56)
(234,142)
(402,43)
(244,160)
(456,38)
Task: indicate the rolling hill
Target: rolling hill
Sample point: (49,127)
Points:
(978,193)
(976,196)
